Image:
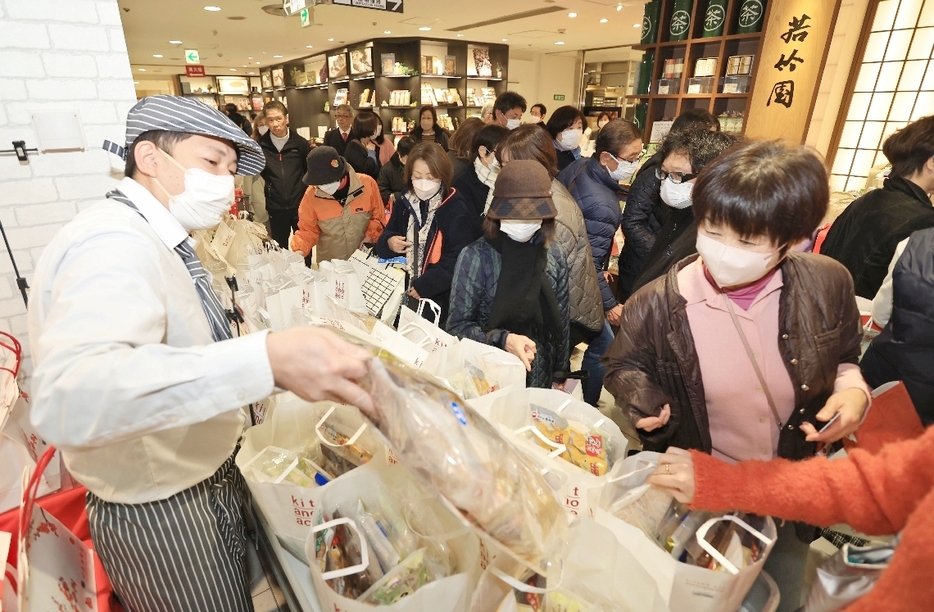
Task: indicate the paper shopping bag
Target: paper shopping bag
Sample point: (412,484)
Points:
(344,286)
(295,424)
(474,369)
(892,417)
(408,351)
(383,286)
(414,326)
(578,477)
(441,533)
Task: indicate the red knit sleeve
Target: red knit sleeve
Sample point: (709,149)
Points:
(873,493)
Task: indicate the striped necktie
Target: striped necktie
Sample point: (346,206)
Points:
(210,303)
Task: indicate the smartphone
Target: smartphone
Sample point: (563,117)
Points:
(829,423)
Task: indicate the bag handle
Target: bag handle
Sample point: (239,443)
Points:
(31,489)
(14,347)
(364,549)
(435,309)
(560,449)
(321,437)
(284,473)
(716,554)
(526,588)
(412,327)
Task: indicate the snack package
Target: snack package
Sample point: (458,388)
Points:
(339,459)
(643,507)
(276,465)
(461,456)
(552,426)
(403,580)
(587,448)
(345,551)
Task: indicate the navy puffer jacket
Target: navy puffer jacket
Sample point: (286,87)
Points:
(598,196)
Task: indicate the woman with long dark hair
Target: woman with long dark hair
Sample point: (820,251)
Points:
(428,129)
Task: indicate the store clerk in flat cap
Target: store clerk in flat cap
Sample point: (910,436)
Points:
(137,379)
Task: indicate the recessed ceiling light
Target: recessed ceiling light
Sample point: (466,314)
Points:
(136,82)
(251,72)
(637,25)
(330,40)
(277,56)
(212,8)
(424,29)
(572,15)
(505,40)
(560,42)
(175,42)
(604,20)
(157,55)
(257,63)
(619,6)
(387,32)
(233,69)
(142,70)
(309,46)
(251,57)
(460,35)
(244,66)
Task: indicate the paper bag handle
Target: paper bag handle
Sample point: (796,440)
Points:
(435,309)
(364,550)
(713,552)
(559,448)
(350,441)
(521,586)
(649,466)
(412,327)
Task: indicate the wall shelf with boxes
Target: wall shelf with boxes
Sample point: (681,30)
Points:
(219,91)
(393,77)
(698,54)
(608,83)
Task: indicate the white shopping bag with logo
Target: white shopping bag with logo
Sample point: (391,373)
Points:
(474,369)
(414,326)
(296,424)
(344,286)
(523,415)
(449,594)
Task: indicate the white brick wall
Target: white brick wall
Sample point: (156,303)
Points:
(55,55)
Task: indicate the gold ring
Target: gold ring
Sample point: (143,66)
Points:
(668,468)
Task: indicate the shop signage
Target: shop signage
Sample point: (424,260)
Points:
(192,57)
(196,70)
(305,16)
(559,97)
(794,50)
(394,6)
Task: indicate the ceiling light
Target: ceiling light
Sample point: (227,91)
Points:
(424,29)
(136,82)
(244,66)
(309,46)
(142,70)
(505,40)
(257,63)
(604,20)
(619,7)
(157,55)
(251,57)
(175,42)
(212,8)
(387,32)
(251,72)
(330,40)
(637,25)
(560,42)
(460,35)
(233,69)
(277,56)
(572,15)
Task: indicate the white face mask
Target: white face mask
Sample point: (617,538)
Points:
(731,266)
(624,170)
(570,139)
(513,123)
(601,124)
(205,201)
(330,188)
(520,231)
(534,119)
(426,188)
(677,196)
(379,130)
(262,129)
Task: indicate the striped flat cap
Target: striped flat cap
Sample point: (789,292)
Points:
(179,114)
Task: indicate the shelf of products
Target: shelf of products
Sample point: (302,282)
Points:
(217,92)
(698,54)
(392,77)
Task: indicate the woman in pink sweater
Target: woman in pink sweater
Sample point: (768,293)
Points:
(881,494)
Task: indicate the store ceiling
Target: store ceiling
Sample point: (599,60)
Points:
(241,37)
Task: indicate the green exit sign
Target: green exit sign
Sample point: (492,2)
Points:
(305,17)
(559,97)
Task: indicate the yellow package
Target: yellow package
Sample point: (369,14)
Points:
(588,449)
(552,427)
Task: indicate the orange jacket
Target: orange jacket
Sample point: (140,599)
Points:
(338,230)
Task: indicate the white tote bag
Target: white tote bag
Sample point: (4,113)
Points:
(474,369)
(414,326)
(288,507)
(684,587)
(450,594)
(577,488)
(344,285)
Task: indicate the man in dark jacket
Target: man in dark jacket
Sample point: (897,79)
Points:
(285,153)
(864,236)
(339,136)
(239,120)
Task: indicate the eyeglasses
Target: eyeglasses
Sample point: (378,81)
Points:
(675,177)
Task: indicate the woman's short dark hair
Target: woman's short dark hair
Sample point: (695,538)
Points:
(699,145)
(162,139)
(615,135)
(438,162)
(491,228)
(542,111)
(405,146)
(490,137)
(910,147)
(603,115)
(463,137)
(530,142)
(364,125)
(695,118)
(764,189)
(563,119)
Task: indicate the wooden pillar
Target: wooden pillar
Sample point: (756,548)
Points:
(795,43)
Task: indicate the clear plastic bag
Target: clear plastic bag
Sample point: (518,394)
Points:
(457,453)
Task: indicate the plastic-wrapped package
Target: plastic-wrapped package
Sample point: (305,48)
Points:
(460,455)
(403,580)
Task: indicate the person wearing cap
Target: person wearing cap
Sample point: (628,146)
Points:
(510,287)
(137,380)
(430,225)
(341,208)
(285,152)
